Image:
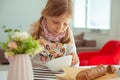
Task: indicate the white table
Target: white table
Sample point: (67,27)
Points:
(39,73)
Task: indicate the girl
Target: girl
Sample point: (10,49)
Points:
(53,32)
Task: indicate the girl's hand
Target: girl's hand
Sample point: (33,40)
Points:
(74,59)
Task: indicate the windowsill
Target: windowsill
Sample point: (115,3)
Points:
(91,31)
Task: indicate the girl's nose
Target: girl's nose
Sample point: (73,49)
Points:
(60,26)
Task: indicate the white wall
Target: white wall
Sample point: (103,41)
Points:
(115,18)
(24,12)
(19,12)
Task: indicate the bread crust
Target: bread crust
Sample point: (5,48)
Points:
(92,73)
(111,69)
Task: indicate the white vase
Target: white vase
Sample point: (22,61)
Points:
(20,68)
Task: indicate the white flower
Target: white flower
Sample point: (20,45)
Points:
(20,35)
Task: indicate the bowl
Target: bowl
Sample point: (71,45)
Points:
(57,64)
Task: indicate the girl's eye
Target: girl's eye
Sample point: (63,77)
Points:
(65,24)
(55,22)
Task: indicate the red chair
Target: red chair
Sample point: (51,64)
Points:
(108,54)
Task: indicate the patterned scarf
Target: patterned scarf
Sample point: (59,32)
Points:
(48,35)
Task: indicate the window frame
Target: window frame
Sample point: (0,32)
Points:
(86,29)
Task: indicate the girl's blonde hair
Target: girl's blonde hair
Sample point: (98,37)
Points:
(54,8)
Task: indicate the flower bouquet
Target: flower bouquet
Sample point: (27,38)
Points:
(20,46)
(20,43)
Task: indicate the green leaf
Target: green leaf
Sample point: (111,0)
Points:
(4,27)
(8,30)
(16,30)
(5,46)
(18,50)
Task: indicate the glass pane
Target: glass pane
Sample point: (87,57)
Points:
(79,13)
(98,14)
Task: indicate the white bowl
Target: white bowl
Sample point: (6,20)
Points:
(58,63)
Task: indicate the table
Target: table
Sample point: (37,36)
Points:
(39,73)
(72,72)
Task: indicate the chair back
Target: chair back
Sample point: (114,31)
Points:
(110,47)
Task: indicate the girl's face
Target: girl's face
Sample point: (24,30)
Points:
(56,25)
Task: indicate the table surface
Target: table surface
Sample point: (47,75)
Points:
(39,73)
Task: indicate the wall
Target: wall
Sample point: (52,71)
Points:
(115,18)
(14,13)
(24,12)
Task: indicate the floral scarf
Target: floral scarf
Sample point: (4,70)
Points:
(48,35)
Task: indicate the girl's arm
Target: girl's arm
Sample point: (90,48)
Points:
(71,50)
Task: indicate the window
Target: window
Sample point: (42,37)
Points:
(92,14)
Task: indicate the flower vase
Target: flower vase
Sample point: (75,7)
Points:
(20,68)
